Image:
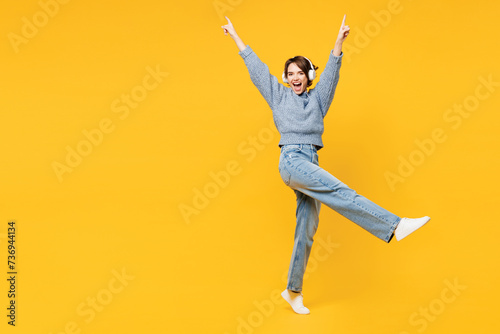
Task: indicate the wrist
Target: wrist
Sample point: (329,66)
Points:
(337,49)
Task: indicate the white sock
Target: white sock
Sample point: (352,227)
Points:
(409,225)
(295,299)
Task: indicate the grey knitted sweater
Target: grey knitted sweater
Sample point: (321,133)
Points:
(298,118)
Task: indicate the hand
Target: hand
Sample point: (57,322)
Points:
(343,32)
(228,28)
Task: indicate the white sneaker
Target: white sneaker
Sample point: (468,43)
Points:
(295,299)
(409,225)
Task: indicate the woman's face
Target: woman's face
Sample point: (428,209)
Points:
(297,79)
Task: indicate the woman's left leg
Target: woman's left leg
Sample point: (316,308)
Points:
(300,170)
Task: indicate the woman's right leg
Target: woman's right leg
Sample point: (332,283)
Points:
(307,218)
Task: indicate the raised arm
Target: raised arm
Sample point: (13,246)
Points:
(266,83)
(343,32)
(330,75)
(229,29)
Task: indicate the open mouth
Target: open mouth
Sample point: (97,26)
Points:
(297,86)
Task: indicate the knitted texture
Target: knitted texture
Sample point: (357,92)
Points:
(298,118)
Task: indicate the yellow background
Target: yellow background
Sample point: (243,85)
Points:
(119,210)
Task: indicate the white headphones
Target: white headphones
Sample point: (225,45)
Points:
(311,74)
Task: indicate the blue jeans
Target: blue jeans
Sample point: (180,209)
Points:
(313,185)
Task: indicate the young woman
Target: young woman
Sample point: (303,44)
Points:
(298,115)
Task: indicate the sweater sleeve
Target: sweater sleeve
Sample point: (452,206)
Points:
(328,82)
(266,83)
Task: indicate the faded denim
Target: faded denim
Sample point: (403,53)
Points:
(299,169)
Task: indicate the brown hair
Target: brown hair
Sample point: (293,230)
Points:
(303,64)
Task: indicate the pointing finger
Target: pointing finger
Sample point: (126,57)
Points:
(343,21)
(228,20)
